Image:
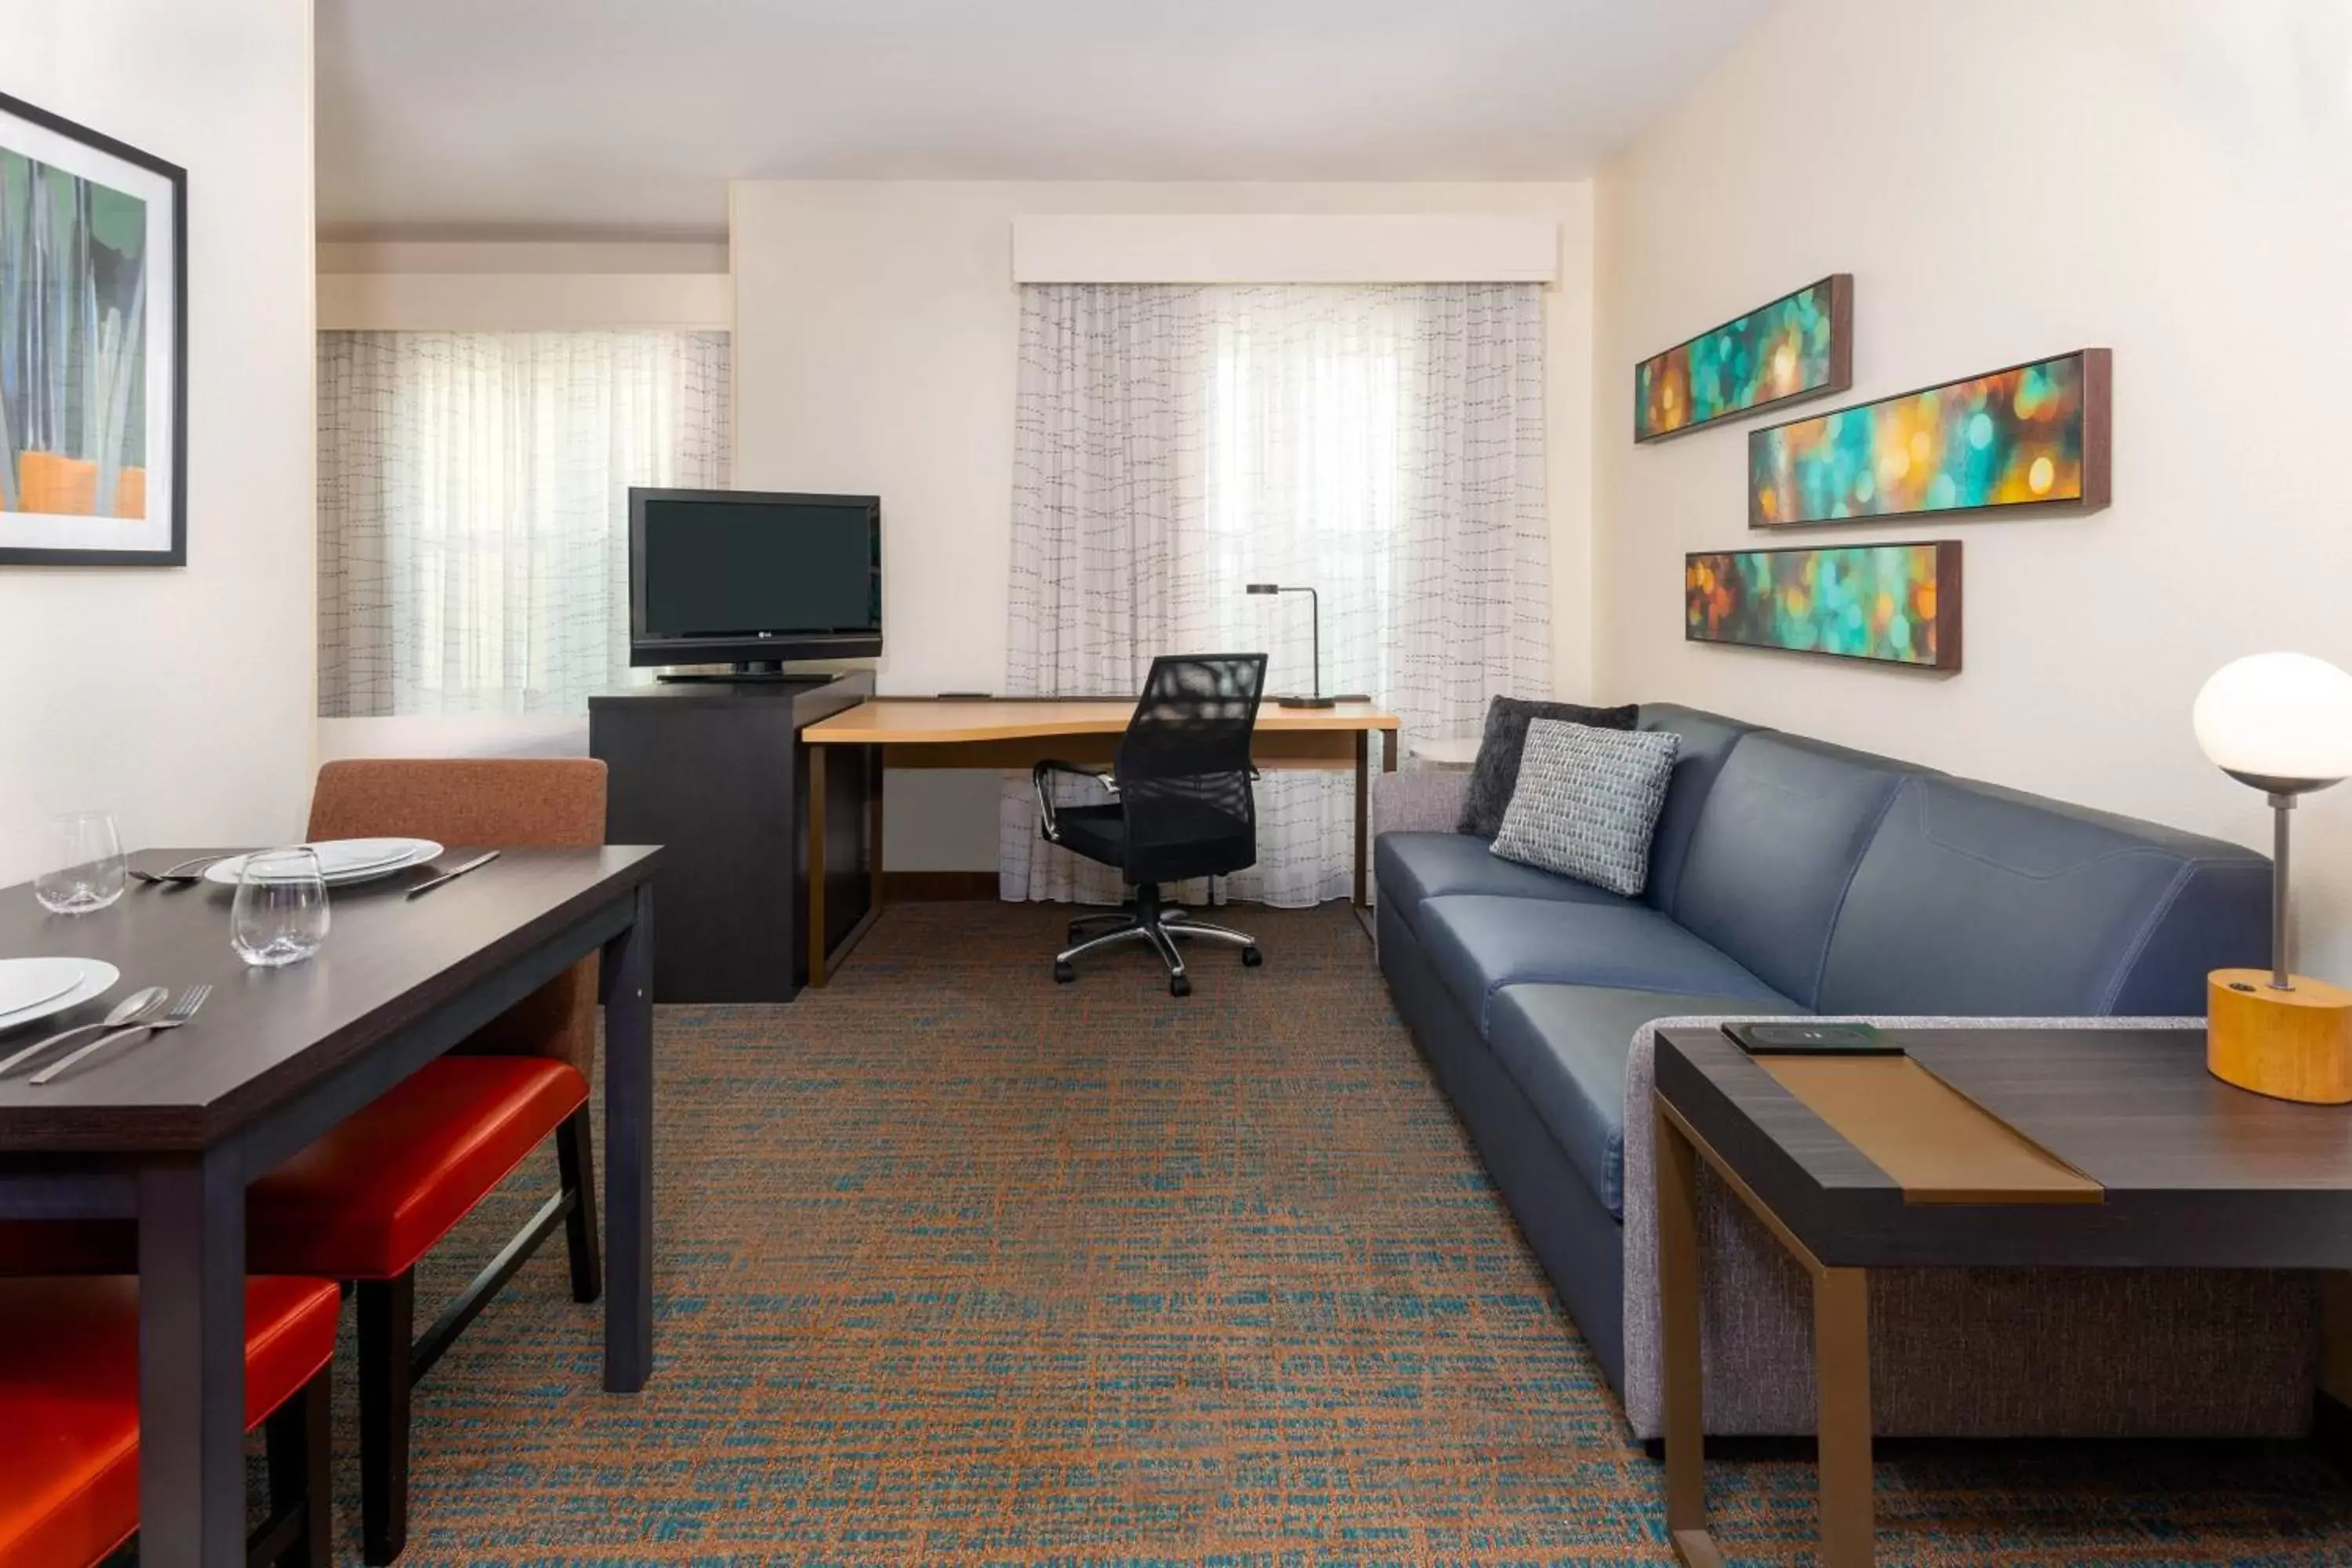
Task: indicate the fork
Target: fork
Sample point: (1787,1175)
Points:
(180,1012)
(191,870)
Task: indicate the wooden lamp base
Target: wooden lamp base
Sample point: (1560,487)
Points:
(2289,1045)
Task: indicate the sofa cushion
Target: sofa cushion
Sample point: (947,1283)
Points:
(1779,839)
(1706,741)
(1977,900)
(1412,867)
(1564,1046)
(1480,943)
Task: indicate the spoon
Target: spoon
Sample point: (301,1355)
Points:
(132,1009)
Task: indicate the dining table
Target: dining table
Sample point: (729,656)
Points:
(169,1129)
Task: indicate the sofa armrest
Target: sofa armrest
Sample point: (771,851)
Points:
(1428,801)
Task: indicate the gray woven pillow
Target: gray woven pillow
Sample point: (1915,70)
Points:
(1587,801)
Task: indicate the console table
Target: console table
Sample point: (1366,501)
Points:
(2004,1148)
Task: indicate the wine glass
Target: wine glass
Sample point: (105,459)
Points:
(87,855)
(279,915)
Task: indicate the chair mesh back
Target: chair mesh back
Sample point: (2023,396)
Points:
(1183,768)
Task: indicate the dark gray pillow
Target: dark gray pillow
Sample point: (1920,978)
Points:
(1588,802)
(1496,775)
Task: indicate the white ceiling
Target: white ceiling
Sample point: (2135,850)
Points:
(552,115)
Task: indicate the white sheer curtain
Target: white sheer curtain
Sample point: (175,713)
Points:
(1382,444)
(473,507)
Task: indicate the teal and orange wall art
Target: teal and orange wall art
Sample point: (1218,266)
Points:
(1799,346)
(1897,603)
(93,383)
(2031,436)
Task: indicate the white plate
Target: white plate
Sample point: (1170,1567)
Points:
(97,979)
(230,872)
(348,857)
(29,982)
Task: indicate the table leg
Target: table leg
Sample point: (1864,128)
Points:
(629,1152)
(191,1361)
(1388,751)
(1841,1394)
(815,911)
(1678,1326)
(1363,817)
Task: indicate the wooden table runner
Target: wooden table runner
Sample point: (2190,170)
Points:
(1939,1144)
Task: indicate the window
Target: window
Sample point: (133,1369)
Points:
(473,507)
(1382,444)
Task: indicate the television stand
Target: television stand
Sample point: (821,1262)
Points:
(716,772)
(765,671)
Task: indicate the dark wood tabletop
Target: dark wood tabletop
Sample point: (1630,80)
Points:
(266,1035)
(2192,1171)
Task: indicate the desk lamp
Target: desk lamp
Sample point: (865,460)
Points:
(1315,633)
(2281,722)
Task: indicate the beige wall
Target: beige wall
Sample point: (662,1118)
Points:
(183,698)
(875,326)
(2007,179)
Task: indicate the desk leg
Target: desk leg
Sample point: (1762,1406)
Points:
(191,1361)
(874,781)
(629,1152)
(815,911)
(1842,1418)
(1678,1326)
(1363,817)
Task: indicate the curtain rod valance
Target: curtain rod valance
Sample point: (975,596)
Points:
(1200,248)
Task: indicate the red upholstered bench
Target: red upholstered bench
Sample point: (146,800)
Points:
(365,1203)
(69,1416)
(368,1199)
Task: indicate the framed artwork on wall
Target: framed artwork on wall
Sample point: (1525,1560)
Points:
(1895,604)
(2032,435)
(93,348)
(1799,346)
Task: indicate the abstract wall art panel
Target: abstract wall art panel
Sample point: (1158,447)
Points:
(2031,436)
(1897,603)
(92,347)
(1799,346)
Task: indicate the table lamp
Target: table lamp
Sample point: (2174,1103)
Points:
(1315,632)
(2283,724)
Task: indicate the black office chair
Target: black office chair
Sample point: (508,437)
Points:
(1181,807)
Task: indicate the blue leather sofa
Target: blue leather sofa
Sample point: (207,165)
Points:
(1786,876)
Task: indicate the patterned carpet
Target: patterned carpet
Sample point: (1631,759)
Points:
(959,1267)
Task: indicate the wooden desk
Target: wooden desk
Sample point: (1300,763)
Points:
(170,1134)
(1980,1148)
(1019,733)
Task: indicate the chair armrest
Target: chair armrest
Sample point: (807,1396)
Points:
(1044,770)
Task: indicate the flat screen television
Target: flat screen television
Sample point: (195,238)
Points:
(753,578)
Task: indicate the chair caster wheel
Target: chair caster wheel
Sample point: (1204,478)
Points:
(1064,972)
(1252,958)
(1180,985)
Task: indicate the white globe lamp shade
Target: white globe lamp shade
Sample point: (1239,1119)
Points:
(2277,718)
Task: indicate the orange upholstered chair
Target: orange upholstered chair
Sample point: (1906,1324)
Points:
(367,1201)
(70,1417)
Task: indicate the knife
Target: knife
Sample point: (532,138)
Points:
(451,873)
